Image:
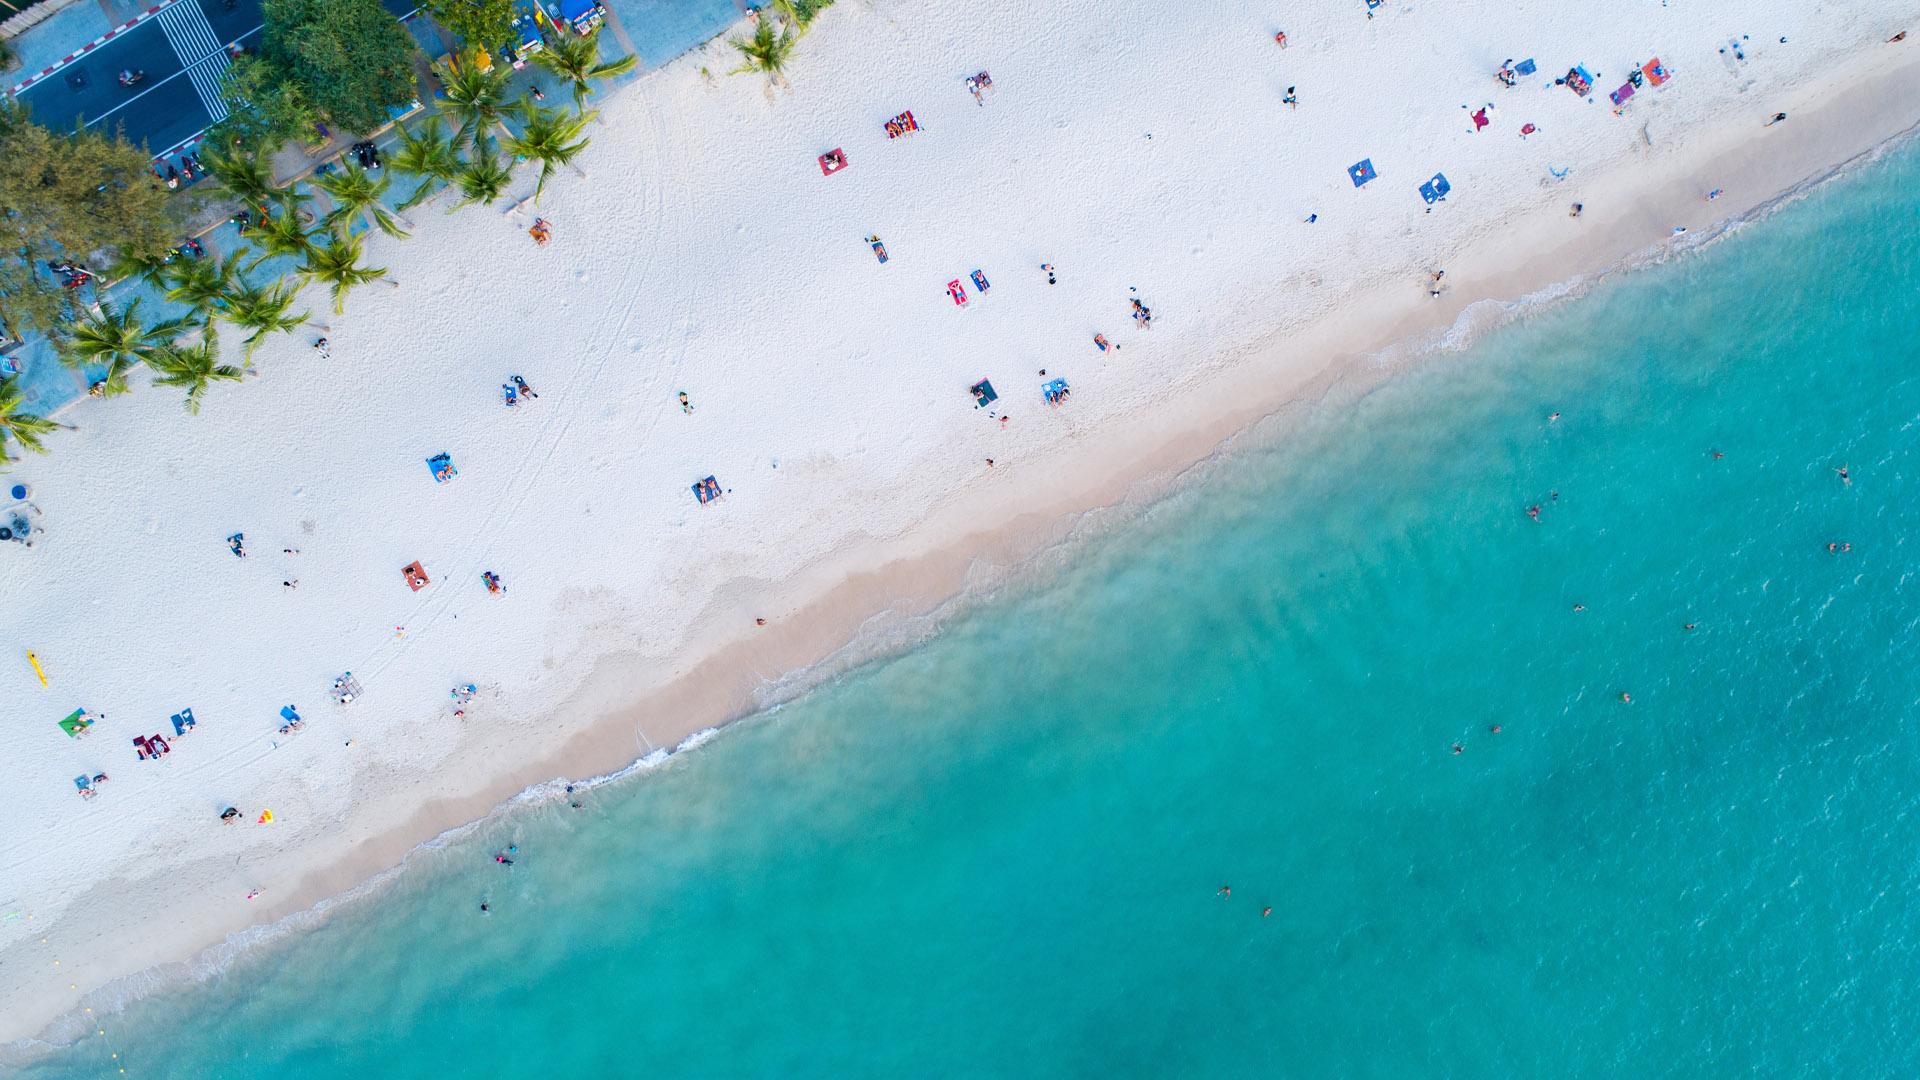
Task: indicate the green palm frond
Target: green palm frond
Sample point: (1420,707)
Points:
(336,264)
(357,193)
(17,425)
(193,367)
(576,60)
(429,152)
(551,137)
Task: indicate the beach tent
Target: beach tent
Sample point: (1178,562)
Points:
(1435,189)
(1361,172)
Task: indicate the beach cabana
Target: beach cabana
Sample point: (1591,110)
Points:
(581,16)
(1361,172)
(1435,189)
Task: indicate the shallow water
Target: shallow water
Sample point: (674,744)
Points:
(999,853)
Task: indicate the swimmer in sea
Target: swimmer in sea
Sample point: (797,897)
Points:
(1224,890)
(1689,626)
(1579,607)
(1845,477)
(1495,729)
(503,860)
(484,909)
(1457,748)
(1534,512)
(1717,455)
(1266,911)
(1551,417)
(1626,698)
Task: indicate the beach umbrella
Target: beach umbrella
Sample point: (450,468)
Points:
(1362,172)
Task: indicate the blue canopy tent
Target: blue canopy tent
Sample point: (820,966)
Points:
(1435,189)
(1361,172)
(582,16)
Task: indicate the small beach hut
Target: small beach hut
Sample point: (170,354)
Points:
(1361,172)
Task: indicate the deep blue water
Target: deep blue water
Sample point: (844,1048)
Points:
(999,853)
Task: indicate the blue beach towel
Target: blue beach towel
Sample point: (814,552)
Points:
(1361,172)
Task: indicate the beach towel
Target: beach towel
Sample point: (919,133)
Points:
(1656,72)
(441,465)
(1579,81)
(980,281)
(958,292)
(183,722)
(1620,96)
(1480,119)
(832,162)
(983,394)
(1361,172)
(76,723)
(1435,189)
(1525,67)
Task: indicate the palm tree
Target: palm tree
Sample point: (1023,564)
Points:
(135,265)
(767,51)
(428,152)
(22,427)
(477,99)
(482,180)
(195,367)
(355,192)
(263,309)
(247,177)
(336,263)
(116,339)
(200,283)
(278,234)
(552,138)
(576,59)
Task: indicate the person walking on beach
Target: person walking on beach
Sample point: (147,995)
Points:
(1777,118)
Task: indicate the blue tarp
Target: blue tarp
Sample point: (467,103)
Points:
(1361,171)
(1435,189)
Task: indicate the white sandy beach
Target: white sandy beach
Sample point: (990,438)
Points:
(1130,145)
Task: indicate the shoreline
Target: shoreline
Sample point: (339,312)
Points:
(976,541)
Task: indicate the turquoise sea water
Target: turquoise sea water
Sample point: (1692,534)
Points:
(998,854)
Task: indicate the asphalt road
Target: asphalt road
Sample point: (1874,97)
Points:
(183,50)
